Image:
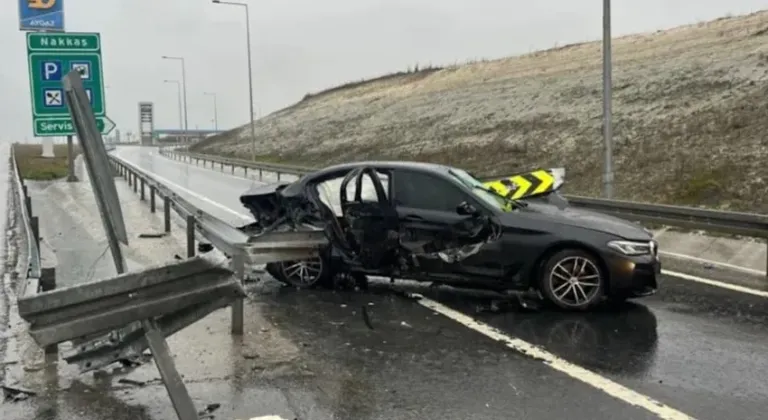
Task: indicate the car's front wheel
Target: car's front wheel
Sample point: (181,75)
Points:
(572,279)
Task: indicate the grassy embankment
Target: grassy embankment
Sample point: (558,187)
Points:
(689,117)
(33,166)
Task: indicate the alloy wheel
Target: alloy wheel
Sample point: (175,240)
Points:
(575,281)
(303,273)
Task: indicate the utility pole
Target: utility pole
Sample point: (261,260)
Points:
(178,91)
(184,88)
(215,111)
(607,93)
(250,70)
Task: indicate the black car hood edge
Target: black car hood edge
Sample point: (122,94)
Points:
(586,219)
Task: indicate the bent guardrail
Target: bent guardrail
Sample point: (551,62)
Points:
(99,306)
(30,230)
(141,308)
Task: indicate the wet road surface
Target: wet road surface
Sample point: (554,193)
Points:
(697,348)
(310,355)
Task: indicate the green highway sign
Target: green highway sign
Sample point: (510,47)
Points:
(49,127)
(50,57)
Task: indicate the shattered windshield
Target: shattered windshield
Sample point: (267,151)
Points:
(480,191)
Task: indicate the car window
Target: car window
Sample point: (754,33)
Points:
(424,191)
(330,190)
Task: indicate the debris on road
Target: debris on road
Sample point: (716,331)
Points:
(153,235)
(14,394)
(131,382)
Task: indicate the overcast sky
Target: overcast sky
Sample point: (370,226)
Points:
(306,45)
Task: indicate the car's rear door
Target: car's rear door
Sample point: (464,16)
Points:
(426,205)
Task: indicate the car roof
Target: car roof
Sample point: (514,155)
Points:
(393,164)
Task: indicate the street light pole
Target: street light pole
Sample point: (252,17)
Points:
(178,91)
(184,88)
(607,93)
(215,111)
(250,71)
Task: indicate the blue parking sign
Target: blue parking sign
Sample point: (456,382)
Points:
(50,70)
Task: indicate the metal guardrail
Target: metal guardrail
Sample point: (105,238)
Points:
(30,230)
(113,318)
(255,250)
(737,223)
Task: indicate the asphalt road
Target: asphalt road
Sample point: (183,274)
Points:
(697,349)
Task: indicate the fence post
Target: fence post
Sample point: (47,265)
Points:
(190,236)
(238,265)
(35,225)
(152,199)
(48,283)
(28,204)
(167,213)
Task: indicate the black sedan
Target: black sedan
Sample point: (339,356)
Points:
(439,224)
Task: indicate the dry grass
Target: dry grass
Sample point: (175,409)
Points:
(690,116)
(37,168)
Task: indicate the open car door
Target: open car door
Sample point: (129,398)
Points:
(370,222)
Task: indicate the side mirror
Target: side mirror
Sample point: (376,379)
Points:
(466,209)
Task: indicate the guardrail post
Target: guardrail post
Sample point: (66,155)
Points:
(152,194)
(34,223)
(261,174)
(135,182)
(24,188)
(167,213)
(245,170)
(142,189)
(233,168)
(238,265)
(190,236)
(278,176)
(28,204)
(182,402)
(48,283)
(129,178)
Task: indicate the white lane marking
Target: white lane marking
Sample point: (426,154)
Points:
(576,372)
(723,285)
(718,263)
(168,182)
(204,169)
(268,418)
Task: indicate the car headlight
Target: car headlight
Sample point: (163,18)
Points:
(631,247)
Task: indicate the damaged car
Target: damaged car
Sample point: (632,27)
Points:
(439,224)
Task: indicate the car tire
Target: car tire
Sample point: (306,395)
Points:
(304,274)
(572,279)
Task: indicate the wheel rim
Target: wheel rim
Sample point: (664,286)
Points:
(303,273)
(575,281)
